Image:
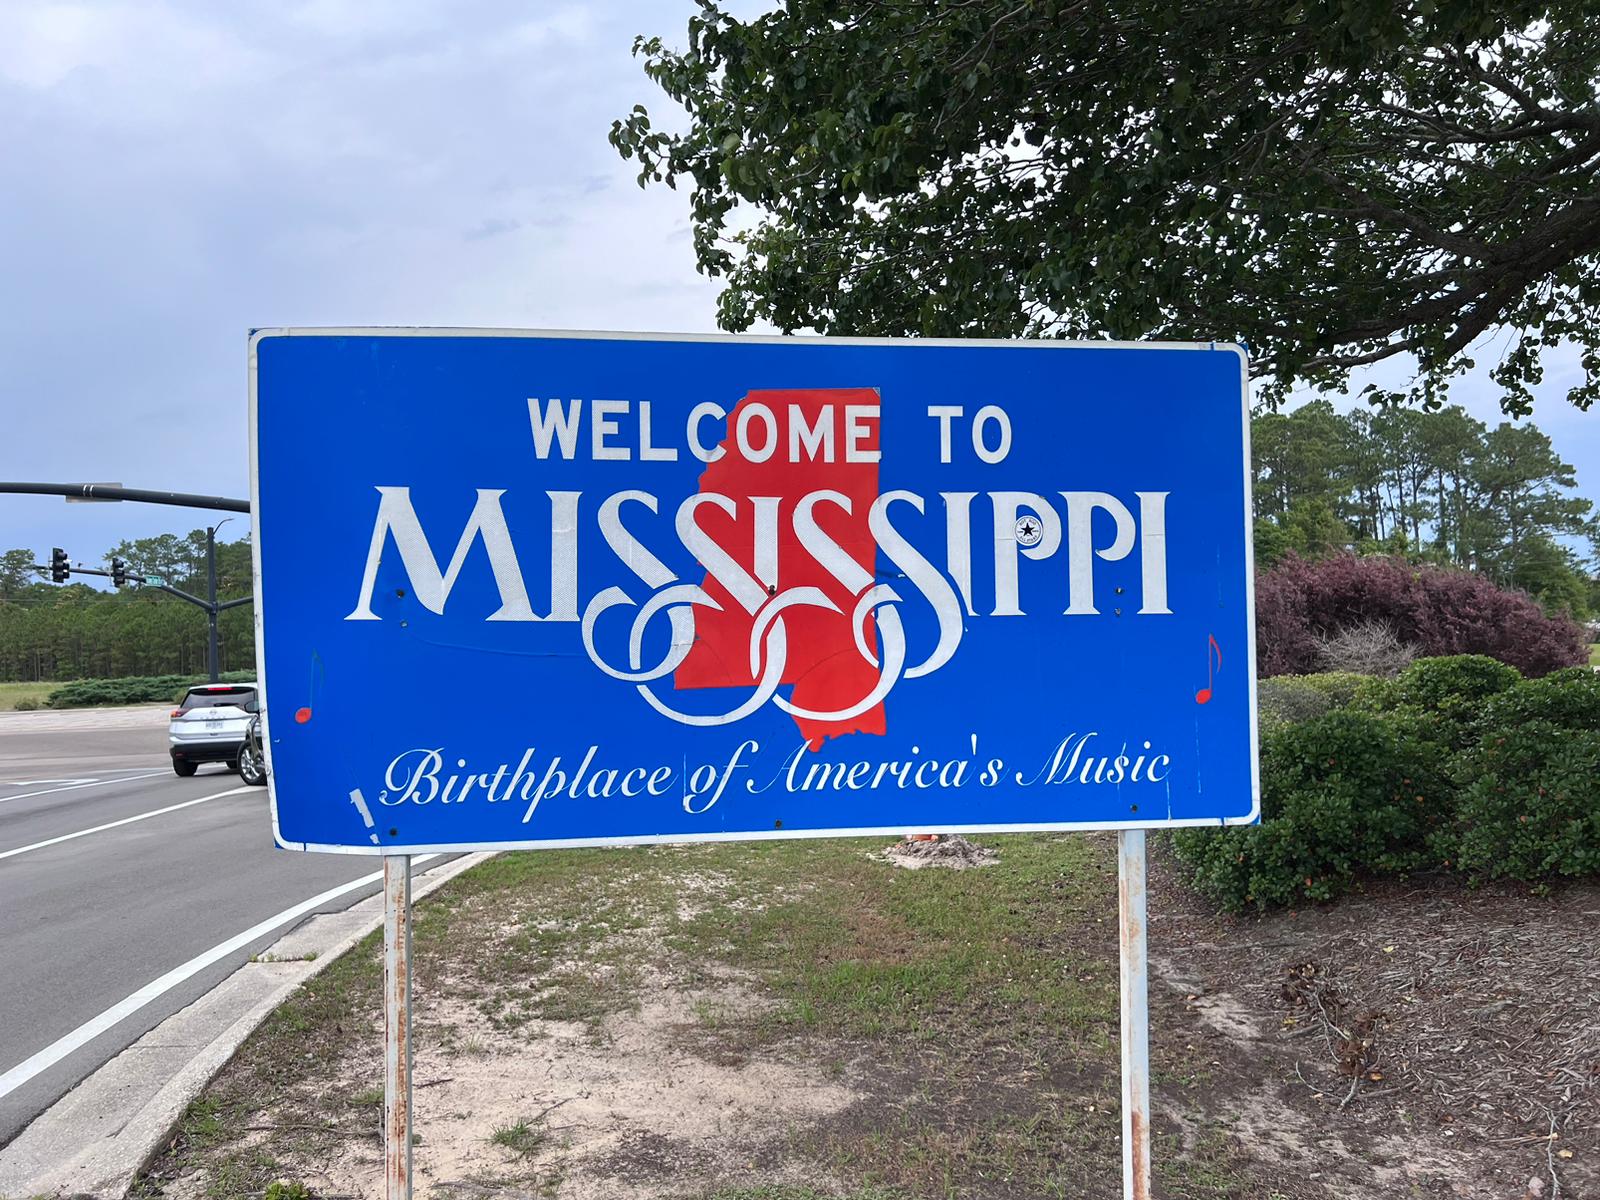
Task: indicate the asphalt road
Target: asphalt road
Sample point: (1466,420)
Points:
(88,921)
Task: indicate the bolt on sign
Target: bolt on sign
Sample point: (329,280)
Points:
(539,589)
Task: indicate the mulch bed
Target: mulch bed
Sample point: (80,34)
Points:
(1448,1035)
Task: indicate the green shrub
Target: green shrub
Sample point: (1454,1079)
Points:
(1458,762)
(1285,699)
(1343,795)
(1571,674)
(1446,696)
(25,705)
(133,689)
(1529,805)
(1455,687)
(1565,699)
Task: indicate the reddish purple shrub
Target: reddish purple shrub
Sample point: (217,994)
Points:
(1439,611)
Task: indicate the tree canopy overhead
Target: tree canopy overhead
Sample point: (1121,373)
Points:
(1332,182)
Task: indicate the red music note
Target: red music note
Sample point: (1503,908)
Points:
(1203,696)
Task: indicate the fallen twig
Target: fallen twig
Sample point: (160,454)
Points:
(1355,1082)
(1550,1158)
(547,1111)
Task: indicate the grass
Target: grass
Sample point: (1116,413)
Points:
(202,1123)
(28,693)
(984,1000)
(866,952)
(521,1139)
(1594,654)
(214,1124)
(296,1046)
(1039,1151)
(844,943)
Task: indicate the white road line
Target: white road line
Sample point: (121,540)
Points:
(156,988)
(75,787)
(145,816)
(75,779)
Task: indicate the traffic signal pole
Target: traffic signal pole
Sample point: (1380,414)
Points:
(211,599)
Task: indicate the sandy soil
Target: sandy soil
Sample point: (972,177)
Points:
(622,1115)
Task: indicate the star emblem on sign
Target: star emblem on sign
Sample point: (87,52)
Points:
(1029,531)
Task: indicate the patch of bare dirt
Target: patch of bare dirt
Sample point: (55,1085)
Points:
(944,850)
(559,1111)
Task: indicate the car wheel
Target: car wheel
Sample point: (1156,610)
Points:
(251,768)
(184,769)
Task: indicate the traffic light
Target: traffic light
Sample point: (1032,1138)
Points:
(119,572)
(60,565)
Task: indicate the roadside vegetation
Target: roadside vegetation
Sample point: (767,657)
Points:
(24,696)
(979,1008)
(98,693)
(138,689)
(1373,615)
(1457,765)
(779,1021)
(73,631)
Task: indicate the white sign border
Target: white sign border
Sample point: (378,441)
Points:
(256,336)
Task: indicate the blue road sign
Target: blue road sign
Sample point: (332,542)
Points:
(531,589)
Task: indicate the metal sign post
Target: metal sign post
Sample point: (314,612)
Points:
(397,1026)
(779,587)
(1135,1016)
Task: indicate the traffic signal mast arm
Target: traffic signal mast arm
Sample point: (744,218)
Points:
(126,576)
(130,577)
(107,491)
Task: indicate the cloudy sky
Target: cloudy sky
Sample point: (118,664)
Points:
(176,173)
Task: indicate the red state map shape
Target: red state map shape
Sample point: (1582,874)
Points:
(823,664)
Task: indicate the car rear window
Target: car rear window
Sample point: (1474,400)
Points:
(221,697)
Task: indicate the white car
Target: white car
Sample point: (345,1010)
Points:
(210,725)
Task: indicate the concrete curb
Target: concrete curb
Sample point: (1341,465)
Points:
(95,1140)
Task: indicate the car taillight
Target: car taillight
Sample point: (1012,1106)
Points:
(177,712)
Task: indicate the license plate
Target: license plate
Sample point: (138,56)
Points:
(211,725)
